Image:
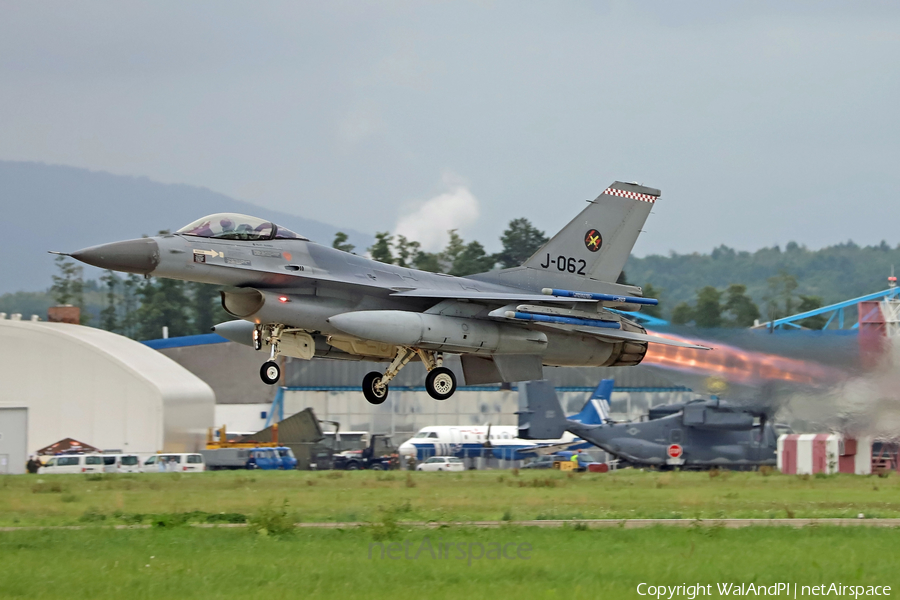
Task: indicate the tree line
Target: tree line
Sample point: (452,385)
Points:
(781,281)
(138,307)
(519,241)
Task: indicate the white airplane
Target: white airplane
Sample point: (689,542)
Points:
(502,441)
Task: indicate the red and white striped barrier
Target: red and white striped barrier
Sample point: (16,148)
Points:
(808,453)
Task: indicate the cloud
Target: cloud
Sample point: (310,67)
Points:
(359,124)
(429,221)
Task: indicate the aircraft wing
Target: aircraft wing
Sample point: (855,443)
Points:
(549,448)
(487,296)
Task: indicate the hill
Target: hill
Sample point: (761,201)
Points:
(51,207)
(834,273)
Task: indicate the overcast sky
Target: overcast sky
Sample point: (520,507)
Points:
(762,122)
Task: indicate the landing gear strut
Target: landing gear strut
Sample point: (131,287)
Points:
(440,382)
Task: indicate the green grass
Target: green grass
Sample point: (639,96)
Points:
(563,563)
(443,497)
(271,559)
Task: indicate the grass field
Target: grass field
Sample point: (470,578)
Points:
(442,497)
(269,558)
(185,562)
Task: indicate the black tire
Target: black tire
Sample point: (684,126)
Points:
(440,383)
(377,467)
(270,372)
(368,387)
(352,467)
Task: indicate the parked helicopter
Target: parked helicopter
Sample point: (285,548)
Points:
(699,434)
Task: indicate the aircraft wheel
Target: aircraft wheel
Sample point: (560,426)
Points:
(440,383)
(373,395)
(270,372)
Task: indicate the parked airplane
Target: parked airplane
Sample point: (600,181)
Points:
(301,299)
(696,434)
(503,441)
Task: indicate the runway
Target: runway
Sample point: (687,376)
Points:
(586,523)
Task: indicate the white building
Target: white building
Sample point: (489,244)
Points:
(59,381)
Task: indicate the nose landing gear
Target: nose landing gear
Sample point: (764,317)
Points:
(270,372)
(440,382)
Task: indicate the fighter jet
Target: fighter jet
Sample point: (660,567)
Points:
(297,298)
(700,434)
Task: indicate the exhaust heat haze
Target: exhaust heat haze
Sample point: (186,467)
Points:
(736,365)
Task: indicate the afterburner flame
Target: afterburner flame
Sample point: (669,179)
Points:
(736,365)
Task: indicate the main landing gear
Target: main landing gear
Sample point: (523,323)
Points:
(440,382)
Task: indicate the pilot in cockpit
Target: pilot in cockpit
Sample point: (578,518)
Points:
(232,226)
(227,225)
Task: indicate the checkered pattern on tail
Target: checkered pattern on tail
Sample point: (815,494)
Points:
(632,195)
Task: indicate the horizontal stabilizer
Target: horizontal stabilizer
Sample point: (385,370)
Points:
(641,337)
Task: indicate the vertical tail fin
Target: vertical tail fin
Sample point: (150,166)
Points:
(596,409)
(596,243)
(540,415)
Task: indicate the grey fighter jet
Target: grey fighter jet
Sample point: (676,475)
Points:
(700,434)
(294,297)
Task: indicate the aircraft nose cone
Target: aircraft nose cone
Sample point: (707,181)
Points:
(132,256)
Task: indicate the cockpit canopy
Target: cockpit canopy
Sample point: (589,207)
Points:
(232,226)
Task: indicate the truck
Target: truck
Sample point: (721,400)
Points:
(379,455)
(247,458)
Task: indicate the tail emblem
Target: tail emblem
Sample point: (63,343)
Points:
(593,240)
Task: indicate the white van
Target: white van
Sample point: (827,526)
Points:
(174,463)
(73,463)
(121,463)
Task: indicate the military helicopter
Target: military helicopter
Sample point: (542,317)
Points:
(292,296)
(699,434)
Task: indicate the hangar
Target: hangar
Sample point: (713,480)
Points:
(59,380)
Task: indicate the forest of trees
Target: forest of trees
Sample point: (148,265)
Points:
(831,274)
(520,240)
(725,288)
(139,307)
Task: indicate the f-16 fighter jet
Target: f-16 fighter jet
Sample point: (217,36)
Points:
(294,297)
